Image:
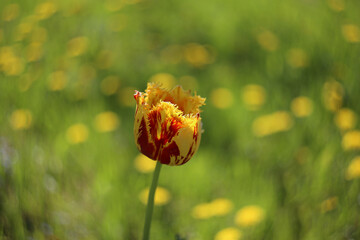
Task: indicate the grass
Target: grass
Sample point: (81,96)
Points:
(83,185)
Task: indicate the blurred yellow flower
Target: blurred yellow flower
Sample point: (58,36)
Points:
(105,59)
(351,33)
(125,96)
(197,55)
(272,123)
(23,29)
(297,58)
(166,80)
(218,207)
(172,54)
(222,98)
(353,170)
(45,10)
(228,234)
(268,40)
(10,64)
(10,12)
(110,85)
(117,22)
(77,46)
(77,133)
(333,93)
(351,140)
(21,119)
(106,122)
(249,216)
(345,119)
(57,81)
(188,82)
(144,164)
(253,96)
(202,211)
(302,106)
(162,196)
(336,5)
(221,206)
(34,51)
(328,204)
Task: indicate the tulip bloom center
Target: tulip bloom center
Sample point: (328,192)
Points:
(167,124)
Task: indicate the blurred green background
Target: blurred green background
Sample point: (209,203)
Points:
(279,155)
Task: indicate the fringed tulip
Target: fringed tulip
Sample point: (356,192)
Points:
(167,124)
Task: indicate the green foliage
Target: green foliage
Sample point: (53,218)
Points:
(67,173)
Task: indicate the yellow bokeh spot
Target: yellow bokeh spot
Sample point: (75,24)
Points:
(172,54)
(162,196)
(197,55)
(21,119)
(45,10)
(297,58)
(10,64)
(144,164)
(110,85)
(336,5)
(268,41)
(228,234)
(351,140)
(104,59)
(57,81)
(253,96)
(126,96)
(218,207)
(333,93)
(77,133)
(23,29)
(106,122)
(10,12)
(188,82)
(34,51)
(272,123)
(222,98)
(166,80)
(345,119)
(302,106)
(249,216)
(77,46)
(117,22)
(221,206)
(328,204)
(353,170)
(351,33)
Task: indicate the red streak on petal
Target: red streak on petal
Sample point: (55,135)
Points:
(146,147)
(169,128)
(137,95)
(168,152)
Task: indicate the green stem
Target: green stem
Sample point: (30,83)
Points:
(150,203)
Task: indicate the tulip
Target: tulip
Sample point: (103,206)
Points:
(167,124)
(167,129)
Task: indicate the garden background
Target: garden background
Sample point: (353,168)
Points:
(279,157)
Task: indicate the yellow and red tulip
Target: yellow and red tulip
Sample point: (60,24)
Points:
(167,124)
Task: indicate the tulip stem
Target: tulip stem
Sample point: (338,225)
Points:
(150,203)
